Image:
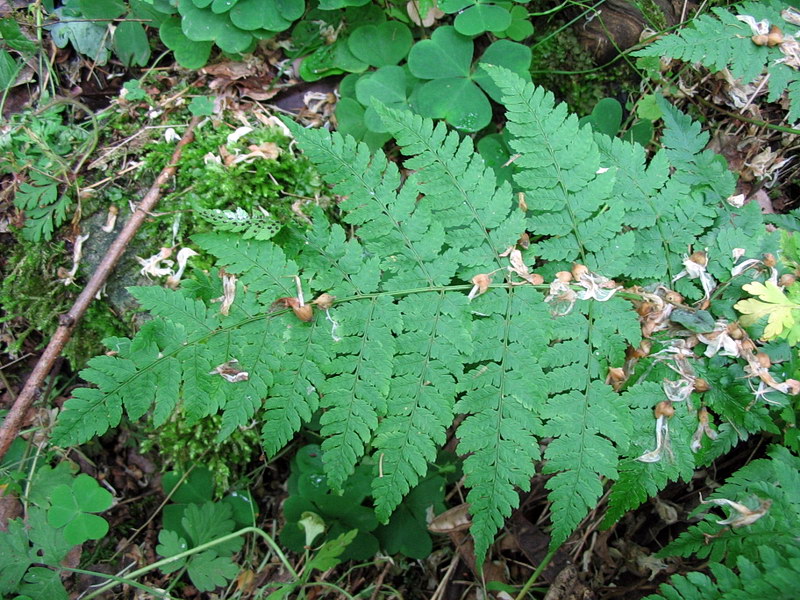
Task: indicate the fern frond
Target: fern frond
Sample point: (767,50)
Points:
(639,480)
(775,480)
(590,423)
(261,266)
(773,574)
(723,41)
(569,191)
(355,392)
(502,400)
(459,189)
(431,352)
(255,226)
(392,225)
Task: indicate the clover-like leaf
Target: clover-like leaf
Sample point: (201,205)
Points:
(447,54)
(381,45)
(130,44)
(457,100)
(480,18)
(502,53)
(387,85)
(188,53)
(772,304)
(260,14)
(71,508)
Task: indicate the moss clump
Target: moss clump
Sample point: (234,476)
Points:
(32,296)
(181,445)
(202,182)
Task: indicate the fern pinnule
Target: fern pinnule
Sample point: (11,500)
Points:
(435,342)
(569,191)
(502,399)
(460,191)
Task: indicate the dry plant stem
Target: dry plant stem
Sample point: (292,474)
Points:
(67,322)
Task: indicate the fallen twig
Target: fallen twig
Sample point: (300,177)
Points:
(67,321)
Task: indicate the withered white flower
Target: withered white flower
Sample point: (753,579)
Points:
(662,442)
(741,515)
(238,134)
(170,135)
(719,341)
(152,267)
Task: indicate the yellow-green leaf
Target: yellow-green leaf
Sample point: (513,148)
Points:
(773,304)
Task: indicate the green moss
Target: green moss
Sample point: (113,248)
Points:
(181,445)
(32,297)
(652,13)
(269,184)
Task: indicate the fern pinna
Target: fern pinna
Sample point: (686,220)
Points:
(403,348)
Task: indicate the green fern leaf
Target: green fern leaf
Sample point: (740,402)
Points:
(773,575)
(459,189)
(590,423)
(639,480)
(775,480)
(431,352)
(718,43)
(356,389)
(570,194)
(502,399)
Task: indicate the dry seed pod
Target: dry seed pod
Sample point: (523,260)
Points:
(735,331)
(701,385)
(787,280)
(578,271)
(673,297)
(324,301)
(645,308)
(793,386)
(699,257)
(760,40)
(775,36)
(564,276)
(536,279)
(664,409)
(769,260)
(748,346)
(305,313)
(763,360)
(524,241)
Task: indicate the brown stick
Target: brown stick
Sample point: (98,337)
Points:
(67,322)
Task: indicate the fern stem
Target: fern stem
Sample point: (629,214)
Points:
(192,551)
(532,579)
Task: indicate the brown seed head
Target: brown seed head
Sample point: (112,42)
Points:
(760,40)
(747,345)
(769,260)
(735,331)
(763,360)
(536,279)
(673,297)
(664,409)
(564,276)
(699,257)
(324,301)
(775,36)
(305,313)
(578,271)
(701,385)
(792,386)
(787,279)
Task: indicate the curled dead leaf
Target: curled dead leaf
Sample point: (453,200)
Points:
(230,371)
